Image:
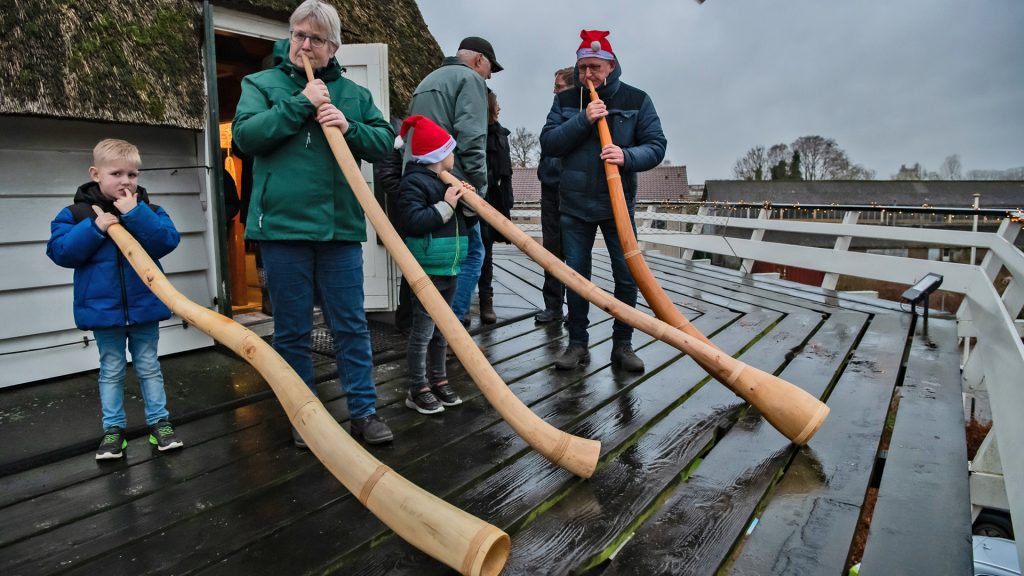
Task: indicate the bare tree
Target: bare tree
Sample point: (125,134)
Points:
(822,159)
(752,165)
(779,153)
(525,148)
(951,168)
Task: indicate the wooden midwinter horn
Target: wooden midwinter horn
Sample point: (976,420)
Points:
(663,308)
(450,535)
(791,410)
(575,454)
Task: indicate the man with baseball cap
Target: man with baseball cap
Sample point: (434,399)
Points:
(455,97)
(638,144)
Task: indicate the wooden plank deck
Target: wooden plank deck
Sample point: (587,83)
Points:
(691,480)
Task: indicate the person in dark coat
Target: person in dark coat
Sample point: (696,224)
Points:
(548,171)
(638,144)
(499,184)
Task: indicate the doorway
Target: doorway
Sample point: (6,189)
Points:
(238,56)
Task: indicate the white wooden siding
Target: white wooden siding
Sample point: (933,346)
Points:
(43,161)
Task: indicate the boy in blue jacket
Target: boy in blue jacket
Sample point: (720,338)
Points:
(109,297)
(436,233)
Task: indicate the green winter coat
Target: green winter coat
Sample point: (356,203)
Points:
(299,192)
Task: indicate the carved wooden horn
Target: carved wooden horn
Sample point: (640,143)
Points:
(443,531)
(791,410)
(575,454)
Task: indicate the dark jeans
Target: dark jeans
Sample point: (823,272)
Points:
(484,287)
(426,348)
(403,313)
(578,241)
(334,270)
(554,290)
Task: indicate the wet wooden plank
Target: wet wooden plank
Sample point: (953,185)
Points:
(490,445)
(733,288)
(809,522)
(471,461)
(563,539)
(522,489)
(267,495)
(274,456)
(695,529)
(926,465)
(811,294)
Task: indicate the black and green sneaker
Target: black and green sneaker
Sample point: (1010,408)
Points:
(112,445)
(163,437)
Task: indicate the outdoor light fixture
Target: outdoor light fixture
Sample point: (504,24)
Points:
(920,292)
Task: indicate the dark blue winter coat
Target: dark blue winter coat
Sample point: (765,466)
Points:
(108,292)
(635,127)
(439,245)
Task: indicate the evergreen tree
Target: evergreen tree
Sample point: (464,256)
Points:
(779,171)
(794,167)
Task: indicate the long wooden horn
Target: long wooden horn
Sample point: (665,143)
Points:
(649,287)
(791,410)
(575,454)
(450,535)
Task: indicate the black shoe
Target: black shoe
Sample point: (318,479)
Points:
(373,429)
(466,321)
(545,316)
(624,357)
(445,393)
(297,439)
(572,357)
(424,402)
(112,445)
(163,437)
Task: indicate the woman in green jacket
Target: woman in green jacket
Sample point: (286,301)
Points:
(303,212)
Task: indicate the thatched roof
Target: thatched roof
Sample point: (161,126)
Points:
(139,61)
(134,61)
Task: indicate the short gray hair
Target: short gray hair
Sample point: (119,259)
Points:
(323,15)
(466,54)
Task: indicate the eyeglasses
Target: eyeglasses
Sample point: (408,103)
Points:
(314,41)
(594,67)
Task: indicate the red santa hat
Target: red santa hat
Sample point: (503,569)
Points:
(430,143)
(595,45)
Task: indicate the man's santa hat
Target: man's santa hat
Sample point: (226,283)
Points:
(430,143)
(595,45)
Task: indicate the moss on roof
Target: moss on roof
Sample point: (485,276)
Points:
(139,61)
(134,61)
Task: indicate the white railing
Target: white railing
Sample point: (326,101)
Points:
(986,317)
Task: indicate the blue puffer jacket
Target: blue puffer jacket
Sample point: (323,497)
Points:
(439,243)
(108,292)
(635,127)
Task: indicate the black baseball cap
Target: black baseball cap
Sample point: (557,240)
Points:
(478,44)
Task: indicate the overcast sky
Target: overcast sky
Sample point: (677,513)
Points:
(892,81)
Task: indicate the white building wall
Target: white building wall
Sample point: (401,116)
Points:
(42,163)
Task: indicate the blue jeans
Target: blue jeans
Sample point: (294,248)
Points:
(578,242)
(469,273)
(142,342)
(426,348)
(336,270)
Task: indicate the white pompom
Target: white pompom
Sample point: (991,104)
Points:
(595,46)
(399,142)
